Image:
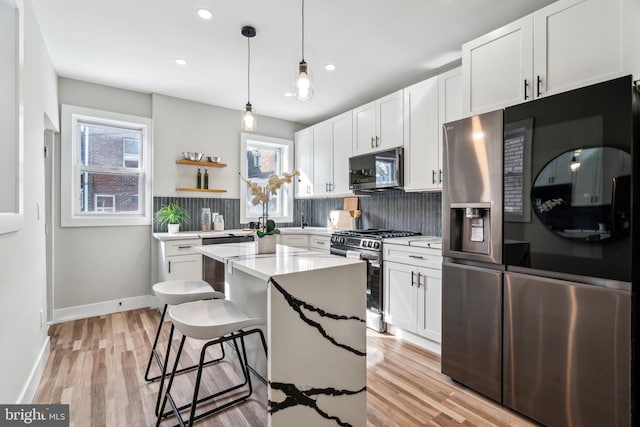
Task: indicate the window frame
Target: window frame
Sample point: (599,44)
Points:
(70,157)
(286,191)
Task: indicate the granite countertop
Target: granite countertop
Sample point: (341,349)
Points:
(286,260)
(432,242)
(201,234)
(195,234)
(324,231)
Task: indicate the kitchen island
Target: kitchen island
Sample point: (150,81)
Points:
(313,305)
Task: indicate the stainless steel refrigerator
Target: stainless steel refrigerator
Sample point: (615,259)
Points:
(539,300)
(472,249)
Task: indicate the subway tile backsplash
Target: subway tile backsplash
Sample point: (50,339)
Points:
(394,209)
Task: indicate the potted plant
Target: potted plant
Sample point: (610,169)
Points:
(171,214)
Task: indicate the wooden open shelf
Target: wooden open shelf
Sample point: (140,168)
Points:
(201,190)
(210,164)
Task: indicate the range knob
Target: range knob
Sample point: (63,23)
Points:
(376,245)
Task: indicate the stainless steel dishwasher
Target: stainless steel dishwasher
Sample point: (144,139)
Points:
(212,270)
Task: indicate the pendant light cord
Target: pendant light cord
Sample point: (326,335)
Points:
(302,30)
(248,70)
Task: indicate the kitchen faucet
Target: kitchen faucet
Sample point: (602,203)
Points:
(302,223)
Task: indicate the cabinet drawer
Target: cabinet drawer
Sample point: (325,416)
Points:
(295,240)
(319,242)
(421,257)
(181,247)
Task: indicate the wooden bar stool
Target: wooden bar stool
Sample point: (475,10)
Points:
(174,292)
(217,321)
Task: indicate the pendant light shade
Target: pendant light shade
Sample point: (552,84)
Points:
(248,118)
(303,85)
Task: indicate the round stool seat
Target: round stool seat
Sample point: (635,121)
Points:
(210,319)
(174,292)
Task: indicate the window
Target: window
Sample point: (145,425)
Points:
(106,164)
(261,157)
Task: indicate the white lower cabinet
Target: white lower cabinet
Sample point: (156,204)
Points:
(179,261)
(295,240)
(413,289)
(319,243)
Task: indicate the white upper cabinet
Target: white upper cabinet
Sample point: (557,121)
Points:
(303,148)
(427,106)
(576,43)
(322,155)
(322,158)
(566,45)
(497,67)
(378,125)
(421,151)
(342,146)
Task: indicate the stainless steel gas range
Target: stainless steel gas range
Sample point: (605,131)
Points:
(367,245)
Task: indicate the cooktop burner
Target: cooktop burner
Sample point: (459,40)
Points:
(375,233)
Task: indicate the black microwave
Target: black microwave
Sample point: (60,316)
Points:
(377,171)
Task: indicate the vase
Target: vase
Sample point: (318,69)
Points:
(173,228)
(266,244)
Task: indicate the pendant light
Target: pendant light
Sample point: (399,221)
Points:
(303,86)
(248,117)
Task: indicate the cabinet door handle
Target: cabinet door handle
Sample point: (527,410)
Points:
(526,86)
(416,256)
(538,81)
(433,176)
(413,273)
(185,247)
(377,141)
(419,279)
(372,142)
(440,179)
(169,267)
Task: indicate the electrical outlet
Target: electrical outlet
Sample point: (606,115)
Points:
(38,210)
(41,318)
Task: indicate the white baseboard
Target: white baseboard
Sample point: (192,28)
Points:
(101,308)
(425,343)
(29,390)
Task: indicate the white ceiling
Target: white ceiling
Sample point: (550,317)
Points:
(378,46)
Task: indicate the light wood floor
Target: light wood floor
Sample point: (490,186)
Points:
(97,366)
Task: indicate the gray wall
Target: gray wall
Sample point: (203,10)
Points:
(180,125)
(23,337)
(98,264)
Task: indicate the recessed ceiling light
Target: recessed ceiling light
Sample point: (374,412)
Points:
(180,61)
(330,67)
(205,14)
(288,94)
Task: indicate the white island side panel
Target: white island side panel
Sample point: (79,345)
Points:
(317,353)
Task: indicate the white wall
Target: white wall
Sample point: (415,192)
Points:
(181,125)
(98,268)
(23,338)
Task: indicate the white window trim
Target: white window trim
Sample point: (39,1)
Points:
(287,165)
(70,194)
